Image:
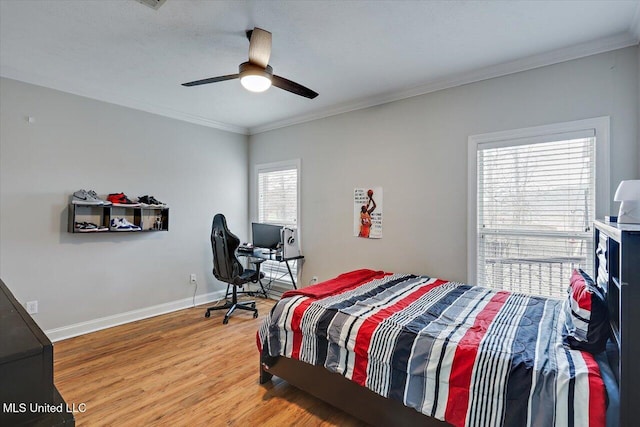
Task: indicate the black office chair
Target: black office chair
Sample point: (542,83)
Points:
(228,269)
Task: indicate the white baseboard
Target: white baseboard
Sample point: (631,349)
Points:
(82,328)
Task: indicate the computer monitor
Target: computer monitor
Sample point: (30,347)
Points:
(265,236)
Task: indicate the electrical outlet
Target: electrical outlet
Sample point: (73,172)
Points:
(192,278)
(32,307)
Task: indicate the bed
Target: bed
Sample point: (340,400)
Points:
(402,349)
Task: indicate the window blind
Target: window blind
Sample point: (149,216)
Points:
(278,197)
(535,207)
(278,204)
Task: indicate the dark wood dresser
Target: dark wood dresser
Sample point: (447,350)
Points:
(27,393)
(617,268)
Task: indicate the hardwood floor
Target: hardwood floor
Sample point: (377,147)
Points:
(181,369)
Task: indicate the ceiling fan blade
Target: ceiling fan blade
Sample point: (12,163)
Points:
(293,87)
(211,80)
(260,47)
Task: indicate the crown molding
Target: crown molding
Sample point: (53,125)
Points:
(135,104)
(630,38)
(536,61)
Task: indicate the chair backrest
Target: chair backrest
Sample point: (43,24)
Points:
(224,243)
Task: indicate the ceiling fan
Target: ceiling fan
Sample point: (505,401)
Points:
(256,74)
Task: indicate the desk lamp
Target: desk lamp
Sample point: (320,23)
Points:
(628,194)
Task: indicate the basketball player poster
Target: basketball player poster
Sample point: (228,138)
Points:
(367,212)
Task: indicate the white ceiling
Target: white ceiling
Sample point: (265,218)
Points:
(353,53)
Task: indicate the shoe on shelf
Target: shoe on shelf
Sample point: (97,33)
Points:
(122,224)
(144,201)
(95,196)
(157,202)
(88,227)
(151,202)
(85,227)
(120,199)
(82,197)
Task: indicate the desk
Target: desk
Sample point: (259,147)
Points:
(259,255)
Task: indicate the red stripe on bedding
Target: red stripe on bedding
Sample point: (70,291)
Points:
(363,337)
(580,291)
(296,320)
(597,399)
(338,285)
(464,359)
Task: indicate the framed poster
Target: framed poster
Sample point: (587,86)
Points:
(367,212)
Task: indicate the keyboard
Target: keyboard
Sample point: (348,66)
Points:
(245,248)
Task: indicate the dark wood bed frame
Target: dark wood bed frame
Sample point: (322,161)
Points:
(345,395)
(619,260)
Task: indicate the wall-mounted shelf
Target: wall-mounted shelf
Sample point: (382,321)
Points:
(147,218)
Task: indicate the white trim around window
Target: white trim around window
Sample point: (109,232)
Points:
(273,167)
(276,270)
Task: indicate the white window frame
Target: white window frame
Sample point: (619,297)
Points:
(601,127)
(274,167)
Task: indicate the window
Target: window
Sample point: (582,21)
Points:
(534,200)
(278,196)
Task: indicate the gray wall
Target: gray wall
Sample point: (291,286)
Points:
(416,149)
(91,281)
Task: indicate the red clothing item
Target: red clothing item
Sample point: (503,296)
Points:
(365,224)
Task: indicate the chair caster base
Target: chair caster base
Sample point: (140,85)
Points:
(231,307)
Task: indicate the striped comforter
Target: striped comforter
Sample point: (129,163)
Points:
(468,355)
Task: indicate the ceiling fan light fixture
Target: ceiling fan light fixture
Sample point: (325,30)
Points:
(255,78)
(255,83)
(256,75)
